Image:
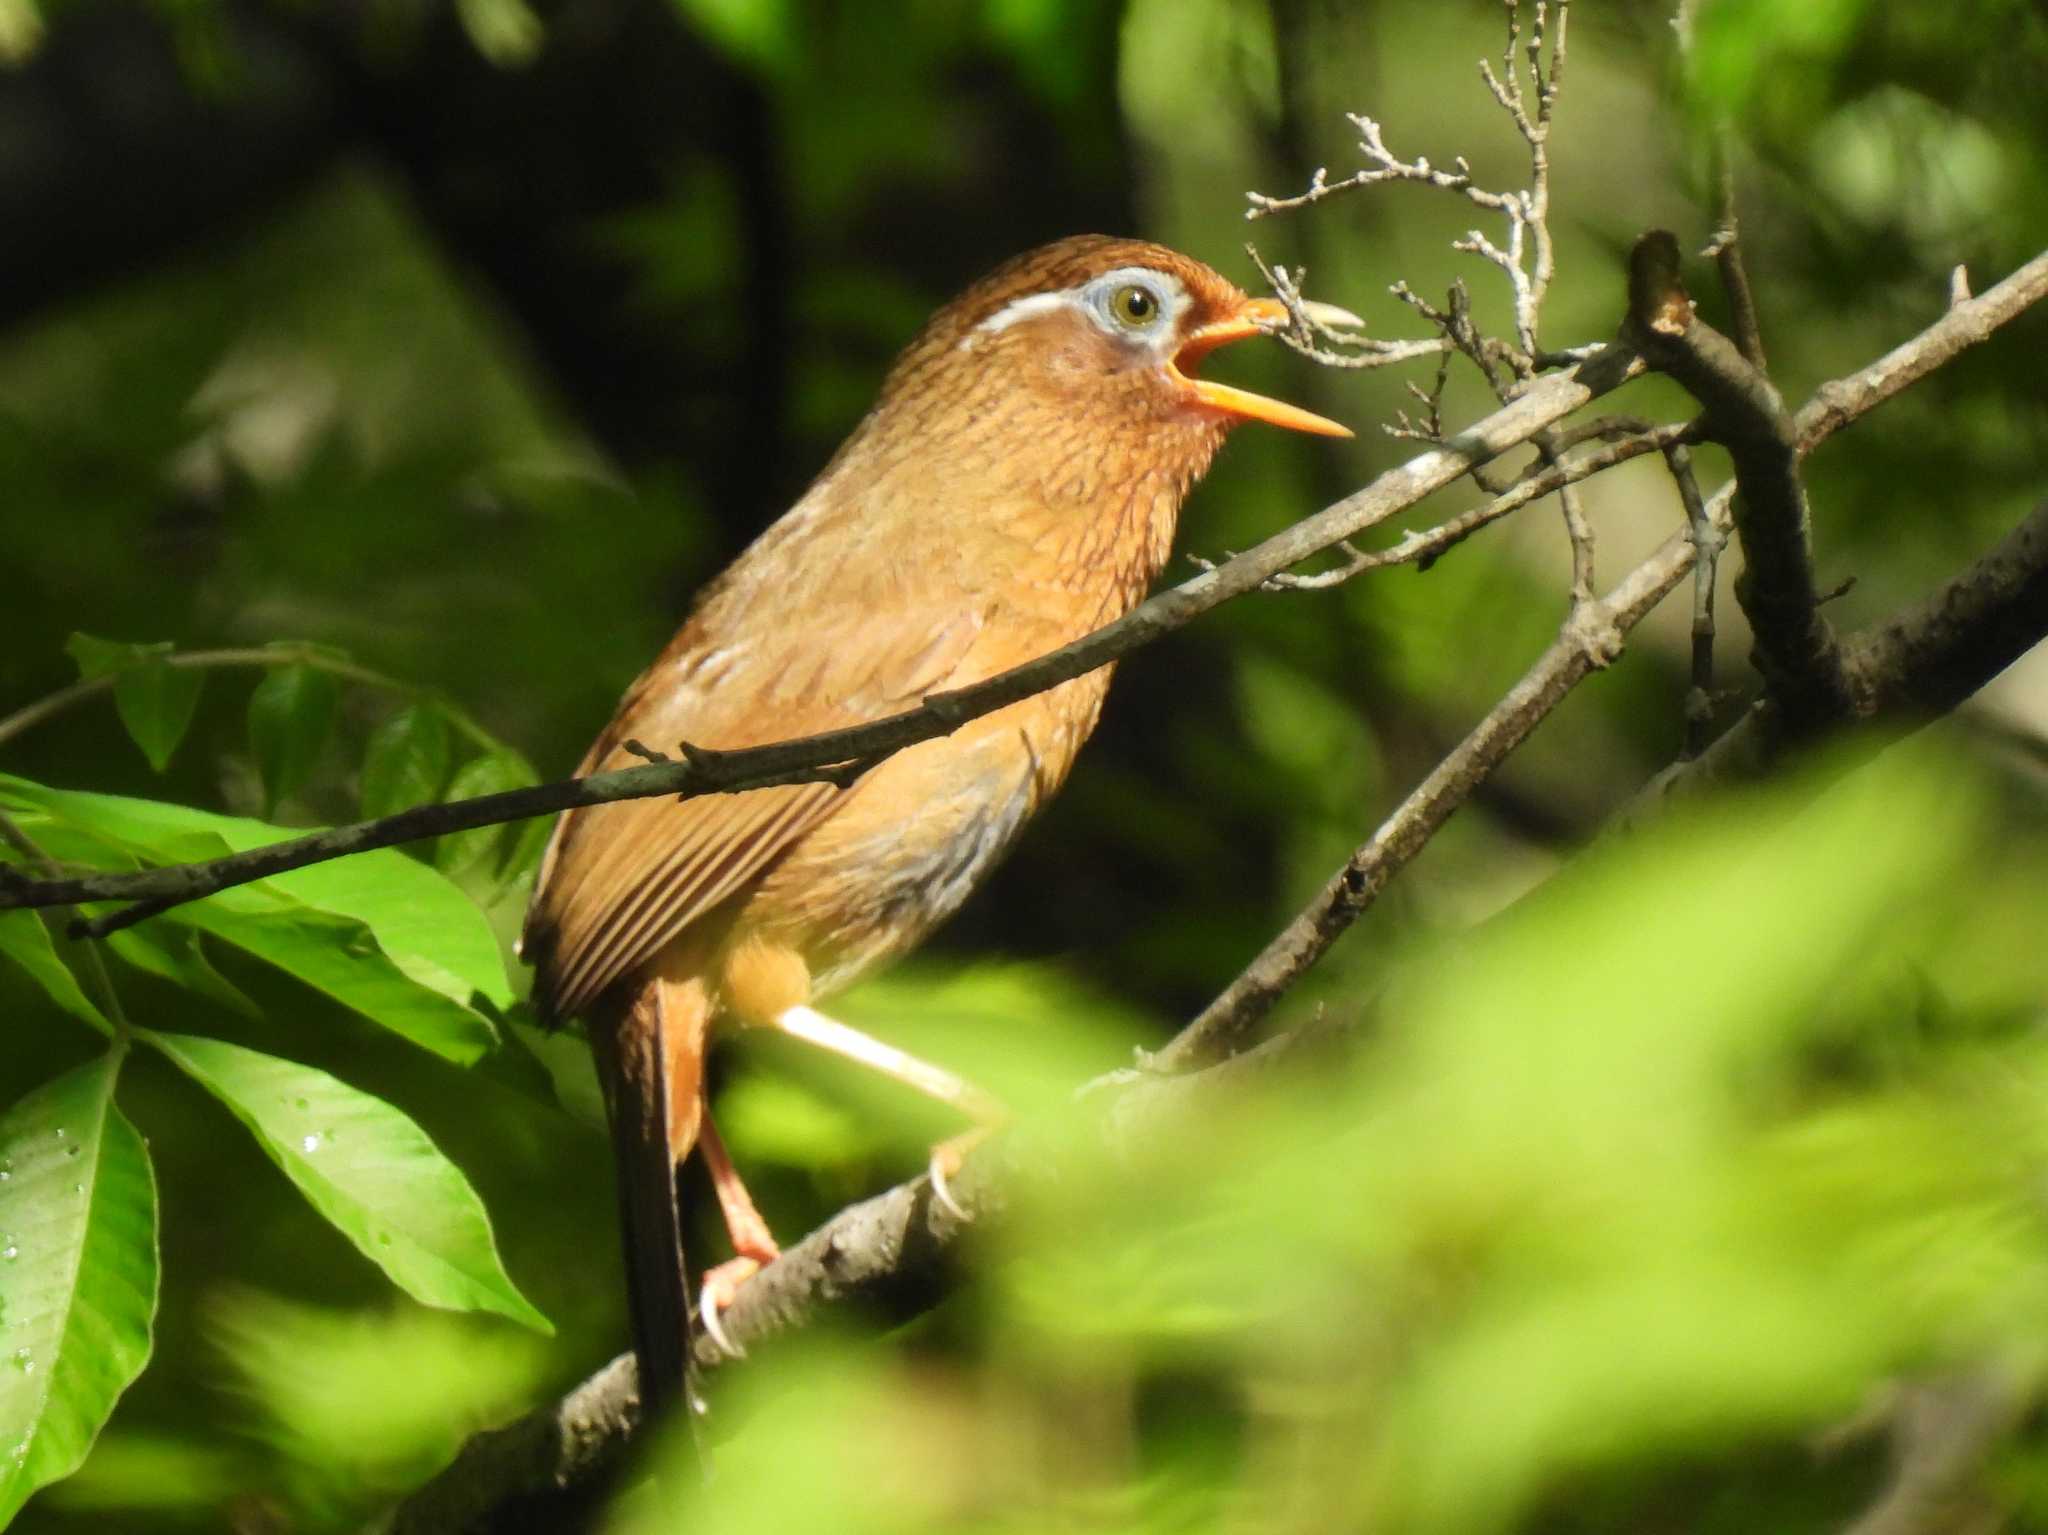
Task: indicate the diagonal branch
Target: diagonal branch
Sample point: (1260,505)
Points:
(894,1248)
(840,755)
(1591,638)
(1796,647)
(893,1252)
(1904,670)
(1228,1022)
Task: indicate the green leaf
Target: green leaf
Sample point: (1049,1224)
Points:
(78,1274)
(96,657)
(378,931)
(156,703)
(175,955)
(504,31)
(756,34)
(316,1386)
(25,940)
(368,1169)
(342,958)
(154,699)
(407,761)
(492,773)
(529,843)
(21,30)
(290,714)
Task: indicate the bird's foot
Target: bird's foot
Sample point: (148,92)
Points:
(721,1287)
(947,1159)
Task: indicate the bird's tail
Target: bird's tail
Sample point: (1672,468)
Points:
(650,1059)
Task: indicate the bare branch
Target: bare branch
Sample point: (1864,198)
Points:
(1902,672)
(1707,544)
(892,1248)
(1834,405)
(1591,637)
(834,756)
(1796,648)
(1528,259)
(1424,549)
(1726,251)
(1943,1435)
(1233,1017)
(1310,329)
(892,1252)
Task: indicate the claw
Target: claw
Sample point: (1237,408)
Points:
(947,1159)
(721,1286)
(942,1194)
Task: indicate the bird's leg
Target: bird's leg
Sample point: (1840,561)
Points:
(813,1027)
(753,1244)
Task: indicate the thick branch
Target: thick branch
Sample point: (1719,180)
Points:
(1904,670)
(1926,660)
(1918,663)
(1796,648)
(894,1247)
(1590,638)
(840,755)
(1230,1020)
(891,1252)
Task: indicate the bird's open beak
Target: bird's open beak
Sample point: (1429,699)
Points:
(1254,318)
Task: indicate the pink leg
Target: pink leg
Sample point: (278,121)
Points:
(752,1242)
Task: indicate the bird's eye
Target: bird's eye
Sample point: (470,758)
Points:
(1134,305)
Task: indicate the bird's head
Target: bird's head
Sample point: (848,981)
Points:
(1097,338)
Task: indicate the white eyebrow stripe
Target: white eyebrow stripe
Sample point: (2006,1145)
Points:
(1024,308)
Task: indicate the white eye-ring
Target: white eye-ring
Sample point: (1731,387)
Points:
(1134,302)
(1131,303)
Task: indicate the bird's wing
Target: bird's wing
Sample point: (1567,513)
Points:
(620,881)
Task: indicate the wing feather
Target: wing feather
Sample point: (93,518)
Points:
(621,881)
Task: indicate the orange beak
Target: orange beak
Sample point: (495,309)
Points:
(1255,317)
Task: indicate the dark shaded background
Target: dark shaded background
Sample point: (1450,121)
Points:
(474,351)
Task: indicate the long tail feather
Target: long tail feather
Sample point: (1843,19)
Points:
(650,1060)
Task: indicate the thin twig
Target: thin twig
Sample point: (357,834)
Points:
(1726,250)
(892,1252)
(1425,548)
(1591,637)
(1796,647)
(1232,1019)
(94,963)
(1707,544)
(31,715)
(1528,258)
(1307,332)
(837,756)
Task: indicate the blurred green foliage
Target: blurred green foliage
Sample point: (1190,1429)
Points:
(1623,1196)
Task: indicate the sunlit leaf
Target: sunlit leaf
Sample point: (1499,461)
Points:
(21,30)
(367,1168)
(25,940)
(290,714)
(343,958)
(318,1385)
(761,34)
(379,931)
(505,31)
(78,1273)
(176,955)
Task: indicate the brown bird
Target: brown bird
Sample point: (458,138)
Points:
(1015,487)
